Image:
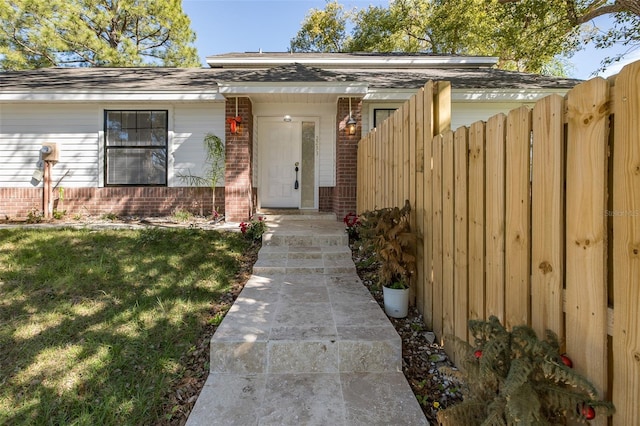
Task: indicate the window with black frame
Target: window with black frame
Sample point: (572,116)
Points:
(136,147)
(381,114)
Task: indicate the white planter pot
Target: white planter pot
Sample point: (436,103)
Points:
(396,302)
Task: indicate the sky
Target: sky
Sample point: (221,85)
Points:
(225,26)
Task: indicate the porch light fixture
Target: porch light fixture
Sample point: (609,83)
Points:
(351,123)
(234,122)
(287,118)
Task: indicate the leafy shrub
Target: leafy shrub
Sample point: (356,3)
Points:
(351,223)
(388,233)
(254,229)
(512,378)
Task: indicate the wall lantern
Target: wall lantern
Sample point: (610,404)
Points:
(234,122)
(351,123)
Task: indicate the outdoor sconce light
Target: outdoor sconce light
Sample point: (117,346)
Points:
(351,126)
(351,123)
(234,122)
(287,118)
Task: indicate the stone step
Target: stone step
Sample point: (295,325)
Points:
(294,240)
(337,399)
(304,260)
(303,216)
(305,342)
(305,323)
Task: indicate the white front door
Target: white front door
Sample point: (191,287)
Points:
(279,145)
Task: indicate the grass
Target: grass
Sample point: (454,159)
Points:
(94,324)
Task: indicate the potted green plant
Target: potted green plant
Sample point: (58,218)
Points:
(388,233)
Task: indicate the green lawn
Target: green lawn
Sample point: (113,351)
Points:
(93,324)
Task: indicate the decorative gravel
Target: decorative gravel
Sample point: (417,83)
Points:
(422,356)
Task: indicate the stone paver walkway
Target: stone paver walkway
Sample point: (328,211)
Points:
(305,343)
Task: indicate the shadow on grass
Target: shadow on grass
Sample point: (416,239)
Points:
(93,324)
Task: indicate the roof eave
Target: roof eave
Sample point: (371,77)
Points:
(108,95)
(312,88)
(266,61)
(469,95)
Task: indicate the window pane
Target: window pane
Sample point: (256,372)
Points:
(159,119)
(158,137)
(144,120)
(134,166)
(379,115)
(129,119)
(136,147)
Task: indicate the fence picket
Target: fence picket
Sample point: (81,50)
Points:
(419,207)
(460,264)
(547,268)
(448,248)
(494,219)
(517,218)
(626,247)
(586,290)
(437,236)
(476,221)
(428,101)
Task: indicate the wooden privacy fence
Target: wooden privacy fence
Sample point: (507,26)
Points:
(532,216)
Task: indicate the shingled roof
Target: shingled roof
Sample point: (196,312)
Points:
(465,76)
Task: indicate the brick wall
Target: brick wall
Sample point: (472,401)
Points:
(239,204)
(344,193)
(325,199)
(16,203)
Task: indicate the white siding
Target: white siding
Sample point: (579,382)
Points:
(462,113)
(191,123)
(326,112)
(466,113)
(78,131)
(74,127)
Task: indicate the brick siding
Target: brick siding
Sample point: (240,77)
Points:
(17,203)
(344,193)
(239,204)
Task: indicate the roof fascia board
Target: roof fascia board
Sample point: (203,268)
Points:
(99,96)
(503,95)
(469,95)
(357,62)
(295,88)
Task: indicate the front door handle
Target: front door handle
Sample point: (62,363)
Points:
(295,185)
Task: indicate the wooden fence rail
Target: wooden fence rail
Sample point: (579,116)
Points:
(532,216)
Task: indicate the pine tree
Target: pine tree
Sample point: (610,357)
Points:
(115,33)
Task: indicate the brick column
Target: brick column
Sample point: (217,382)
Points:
(344,193)
(238,162)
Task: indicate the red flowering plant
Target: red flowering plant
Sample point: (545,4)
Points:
(254,228)
(352,222)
